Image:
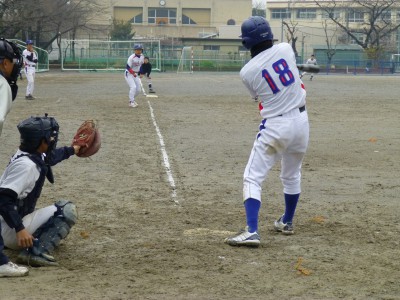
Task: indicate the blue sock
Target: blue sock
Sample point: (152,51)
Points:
(290,207)
(252,207)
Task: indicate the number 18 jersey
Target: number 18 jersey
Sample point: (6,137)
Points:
(272,75)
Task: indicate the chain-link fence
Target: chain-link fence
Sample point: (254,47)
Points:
(112,55)
(86,55)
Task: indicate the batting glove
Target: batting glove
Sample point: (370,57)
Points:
(132,72)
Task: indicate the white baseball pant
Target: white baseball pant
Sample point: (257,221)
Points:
(31,222)
(134,85)
(282,138)
(30,77)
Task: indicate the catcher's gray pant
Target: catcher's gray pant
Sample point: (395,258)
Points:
(31,222)
(134,85)
(282,138)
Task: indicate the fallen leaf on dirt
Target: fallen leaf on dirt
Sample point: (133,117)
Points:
(84,234)
(300,269)
(318,219)
(372,140)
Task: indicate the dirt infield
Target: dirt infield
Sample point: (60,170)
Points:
(136,240)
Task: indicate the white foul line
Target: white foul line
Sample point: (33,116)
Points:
(165,155)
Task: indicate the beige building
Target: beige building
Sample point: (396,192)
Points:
(310,20)
(205,24)
(178,18)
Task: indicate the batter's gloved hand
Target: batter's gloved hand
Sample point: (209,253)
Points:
(88,138)
(132,72)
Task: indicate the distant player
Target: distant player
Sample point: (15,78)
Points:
(145,70)
(311,61)
(272,75)
(133,65)
(30,61)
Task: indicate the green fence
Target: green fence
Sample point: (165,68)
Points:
(95,55)
(43,56)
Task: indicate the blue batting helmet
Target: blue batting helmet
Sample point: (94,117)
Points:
(254,31)
(137,47)
(29,42)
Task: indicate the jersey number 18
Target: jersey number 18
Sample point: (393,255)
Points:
(281,68)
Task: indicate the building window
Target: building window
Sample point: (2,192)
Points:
(137,19)
(307,13)
(162,16)
(360,37)
(356,16)
(386,16)
(281,13)
(187,21)
(333,14)
(211,47)
(231,22)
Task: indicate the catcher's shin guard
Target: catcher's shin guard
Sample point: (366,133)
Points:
(49,235)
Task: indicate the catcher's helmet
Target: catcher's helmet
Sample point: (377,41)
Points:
(34,129)
(10,50)
(29,42)
(138,47)
(254,31)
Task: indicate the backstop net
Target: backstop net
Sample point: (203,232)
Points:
(98,55)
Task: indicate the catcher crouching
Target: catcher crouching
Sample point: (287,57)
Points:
(35,232)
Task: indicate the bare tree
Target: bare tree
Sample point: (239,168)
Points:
(291,34)
(372,18)
(46,20)
(258,9)
(331,46)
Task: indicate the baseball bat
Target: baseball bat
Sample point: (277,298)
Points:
(308,68)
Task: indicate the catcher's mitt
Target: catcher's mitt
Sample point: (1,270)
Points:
(88,137)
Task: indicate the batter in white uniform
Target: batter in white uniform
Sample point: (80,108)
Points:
(272,77)
(30,61)
(133,65)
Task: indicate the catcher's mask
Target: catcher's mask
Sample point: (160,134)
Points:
(35,129)
(9,50)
